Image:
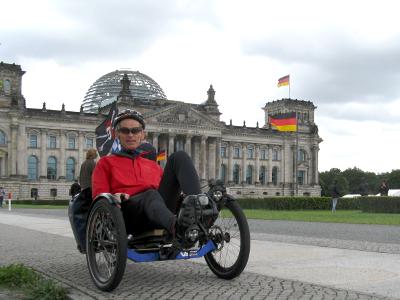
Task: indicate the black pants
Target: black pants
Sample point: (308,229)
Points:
(157,208)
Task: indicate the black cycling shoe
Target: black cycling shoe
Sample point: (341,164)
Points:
(190,211)
(189,218)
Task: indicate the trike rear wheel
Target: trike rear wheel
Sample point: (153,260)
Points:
(106,245)
(233,242)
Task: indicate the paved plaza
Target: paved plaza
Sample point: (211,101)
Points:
(281,266)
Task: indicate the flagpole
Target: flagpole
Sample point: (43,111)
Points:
(289,88)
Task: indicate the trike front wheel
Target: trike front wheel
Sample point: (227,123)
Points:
(232,238)
(106,245)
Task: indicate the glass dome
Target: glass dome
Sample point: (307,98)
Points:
(105,90)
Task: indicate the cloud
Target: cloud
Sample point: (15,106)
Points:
(334,67)
(88,31)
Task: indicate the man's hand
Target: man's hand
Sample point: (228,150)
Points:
(121,196)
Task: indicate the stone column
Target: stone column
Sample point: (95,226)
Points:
(218,158)
(188,145)
(43,154)
(3,171)
(269,165)
(211,158)
(13,141)
(81,157)
(244,161)
(257,164)
(61,161)
(22,169)
(315,150)
(171,144)
(203,158)
(294,162)
(196,154)
(155,141)
(230,163)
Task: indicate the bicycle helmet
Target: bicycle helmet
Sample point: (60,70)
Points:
(129,114)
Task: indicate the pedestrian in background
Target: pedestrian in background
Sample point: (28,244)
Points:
(2,196)
(85,176)
(335,195)
(384,188)
(75,188)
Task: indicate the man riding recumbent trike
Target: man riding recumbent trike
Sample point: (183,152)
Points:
(144,213)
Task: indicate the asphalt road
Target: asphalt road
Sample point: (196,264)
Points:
(349,232)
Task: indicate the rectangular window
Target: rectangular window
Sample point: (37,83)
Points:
(301,176)
(250,153)
(89,143)
(53,193)
(33,141)
(223,151)
(71,142)
(179,145)
(275,155)
(236,152)
(264,154)
(52,142)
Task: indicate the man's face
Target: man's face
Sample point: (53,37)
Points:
(129,140)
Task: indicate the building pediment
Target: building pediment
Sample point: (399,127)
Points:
(181,115)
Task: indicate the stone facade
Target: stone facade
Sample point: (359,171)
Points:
(41,150)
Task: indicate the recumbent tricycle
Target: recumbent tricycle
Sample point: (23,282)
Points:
(220,234)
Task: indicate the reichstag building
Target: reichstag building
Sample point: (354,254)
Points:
(41,150)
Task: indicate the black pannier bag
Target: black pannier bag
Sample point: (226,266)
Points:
(78,211)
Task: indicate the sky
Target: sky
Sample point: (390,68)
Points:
(344,56)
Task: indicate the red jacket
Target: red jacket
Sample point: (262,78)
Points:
(119,174)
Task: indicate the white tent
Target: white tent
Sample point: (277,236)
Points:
(394,193)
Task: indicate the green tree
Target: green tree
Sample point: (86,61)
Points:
(354,177)
(393,179)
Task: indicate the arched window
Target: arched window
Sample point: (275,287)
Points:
(236,171)
(222,174)
(52,168)
(2,138)
(7,87)
(32,167)
(249,174)
(262,176)
(301,155)
(70,171)
(275,175)
(33,141)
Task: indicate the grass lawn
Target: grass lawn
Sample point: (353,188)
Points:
(20,282)
(340,216)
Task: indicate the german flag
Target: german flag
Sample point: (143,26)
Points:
(284,81)
(161,155)
(284,122)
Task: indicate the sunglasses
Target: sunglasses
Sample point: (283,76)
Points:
(133,130)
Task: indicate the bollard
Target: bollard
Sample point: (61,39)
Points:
(9,201)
